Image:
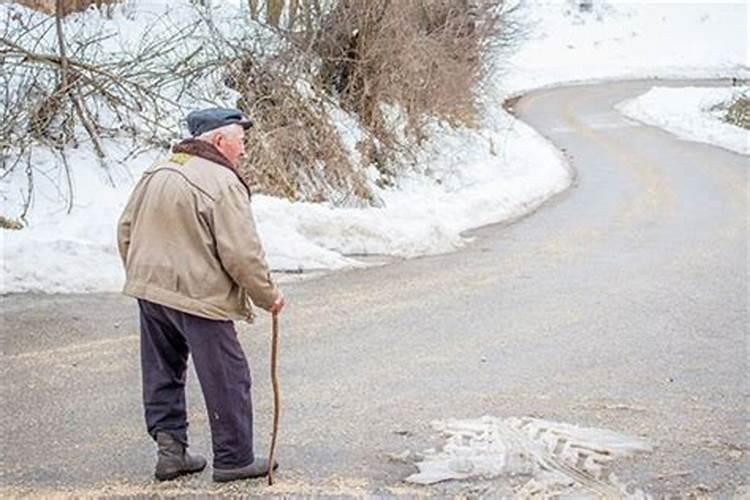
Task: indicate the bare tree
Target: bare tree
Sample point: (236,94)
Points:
(58,93)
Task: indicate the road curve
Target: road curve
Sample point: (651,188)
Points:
(622,303)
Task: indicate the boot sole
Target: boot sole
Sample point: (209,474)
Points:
(226,479)
(239,477)
(174,475)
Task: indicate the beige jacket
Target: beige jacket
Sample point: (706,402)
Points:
(188,240)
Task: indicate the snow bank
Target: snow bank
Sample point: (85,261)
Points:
(691,113)
(481,180)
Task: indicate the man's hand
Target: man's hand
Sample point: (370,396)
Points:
(278,305)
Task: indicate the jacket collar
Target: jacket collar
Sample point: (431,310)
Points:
(207,151)
(203,149)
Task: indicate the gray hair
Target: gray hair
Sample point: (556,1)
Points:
(231,130)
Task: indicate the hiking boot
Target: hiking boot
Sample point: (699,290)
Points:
(174,460)
(258,468)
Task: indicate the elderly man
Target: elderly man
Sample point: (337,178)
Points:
(194,261)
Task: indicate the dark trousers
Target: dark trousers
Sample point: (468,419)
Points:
(167,337)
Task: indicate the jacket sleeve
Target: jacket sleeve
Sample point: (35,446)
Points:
(123,230)
(239,247)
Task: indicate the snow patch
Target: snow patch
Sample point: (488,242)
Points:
(691,113)
(555,456)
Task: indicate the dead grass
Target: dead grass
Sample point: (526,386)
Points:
(6,223)
(738,113)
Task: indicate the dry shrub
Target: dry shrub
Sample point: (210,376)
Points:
(68,6)
(424,56)
(738,112)
(8,223)
(294,151)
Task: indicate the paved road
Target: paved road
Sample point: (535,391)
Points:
(621,304)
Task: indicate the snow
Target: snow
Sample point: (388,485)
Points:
(463,179)
(554,457)
(630,39)
(693,113)
(76,252)
(421,217)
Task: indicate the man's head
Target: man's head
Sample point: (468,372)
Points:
(222,127)
(229,140)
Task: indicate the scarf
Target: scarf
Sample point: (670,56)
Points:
(207,151)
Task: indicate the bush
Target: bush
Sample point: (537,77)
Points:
(422,55)
(424,58)
(294,149)
(738,112)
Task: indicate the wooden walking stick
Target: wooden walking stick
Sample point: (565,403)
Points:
(275,383)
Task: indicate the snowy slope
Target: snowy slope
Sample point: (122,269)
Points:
(690,113)
(464,178)
(630,39)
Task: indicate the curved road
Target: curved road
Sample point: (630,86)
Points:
(621,304)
